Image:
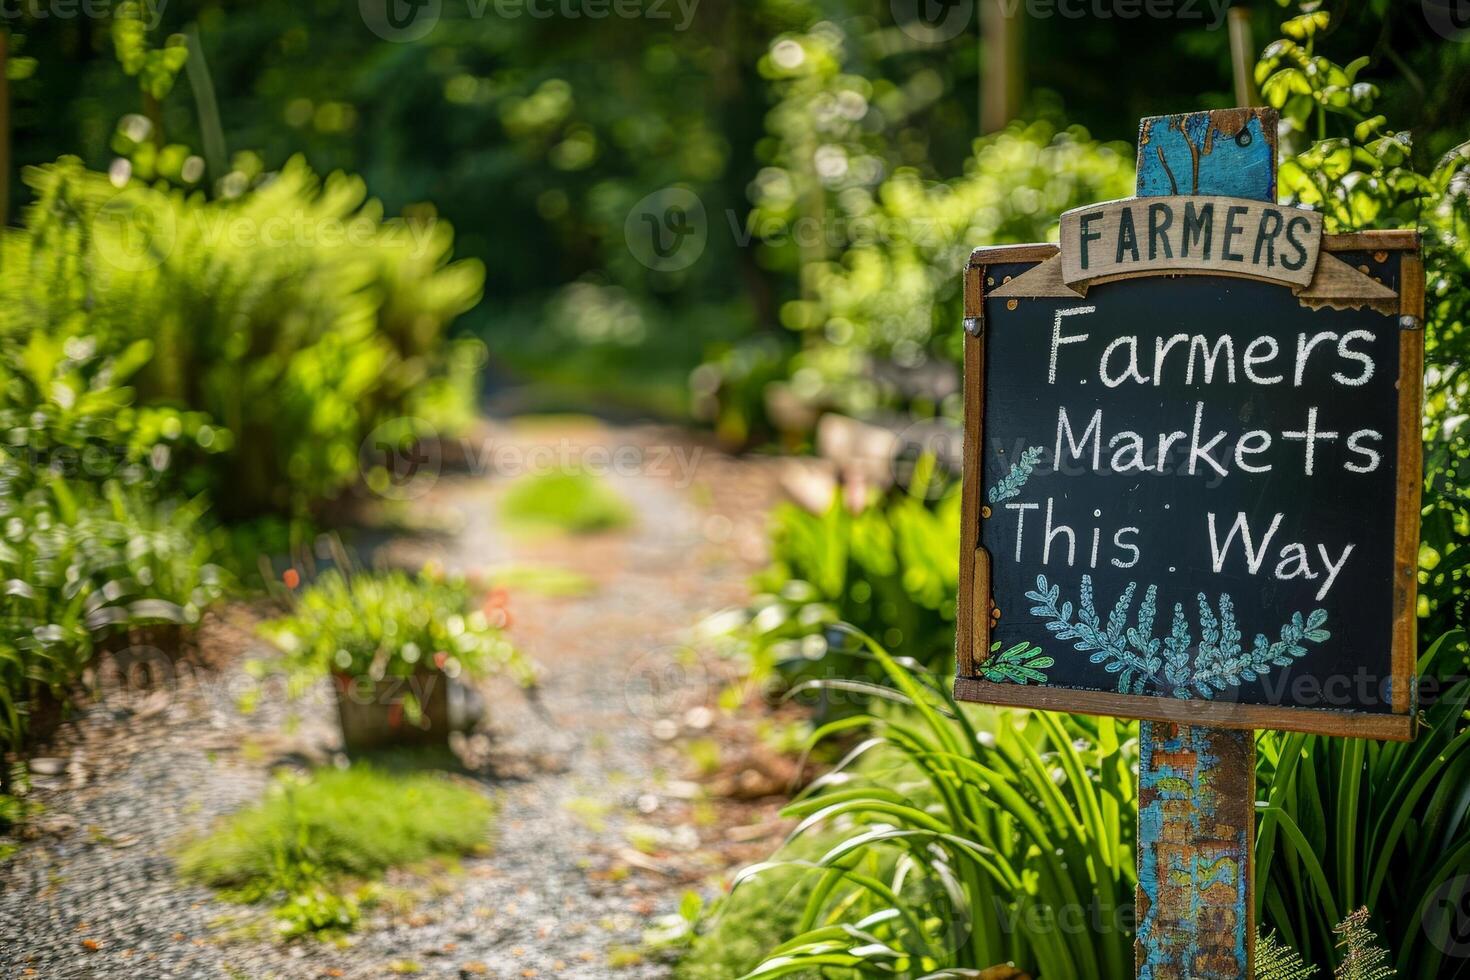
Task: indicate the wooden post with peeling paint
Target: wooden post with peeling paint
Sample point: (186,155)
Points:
(1196,785)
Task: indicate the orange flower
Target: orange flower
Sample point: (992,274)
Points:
(497,608)
(291,577)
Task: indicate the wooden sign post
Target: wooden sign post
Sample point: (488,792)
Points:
(1191,497)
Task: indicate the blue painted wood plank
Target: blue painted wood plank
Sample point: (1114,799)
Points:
(1196,786)
(1230,152)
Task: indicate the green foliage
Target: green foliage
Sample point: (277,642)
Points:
(964,838)
(571,501)
(890,570)
(880,286)
(1349,822)
(290,312)
(1362,957)
(391,624)
(1340,158)
(302,847)
(156,68)
(1275,961)
(732,936)
(78,565)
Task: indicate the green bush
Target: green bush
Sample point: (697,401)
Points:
(80,564)
(289,312)
(391,624)
(303,847)
(890,570)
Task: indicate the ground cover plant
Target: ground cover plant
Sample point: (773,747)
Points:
(393,624)
(308,849)
(571,501)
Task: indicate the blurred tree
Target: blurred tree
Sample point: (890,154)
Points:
(536,127)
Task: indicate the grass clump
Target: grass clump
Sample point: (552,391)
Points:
(575,502)
(307,847)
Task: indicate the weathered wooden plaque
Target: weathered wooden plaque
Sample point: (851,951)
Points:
(1196,495)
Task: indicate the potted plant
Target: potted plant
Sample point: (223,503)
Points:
(397,647)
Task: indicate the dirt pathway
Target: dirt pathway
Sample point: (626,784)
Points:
(602,823)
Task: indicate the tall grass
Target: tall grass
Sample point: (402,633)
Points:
(1349,822)
(968,837)
(972,837)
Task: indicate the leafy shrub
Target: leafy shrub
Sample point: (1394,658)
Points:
(79,564)
(300,849)
(1340,157)
(571,501)
(891,570)
(289,312)
(882,287)
(391,624)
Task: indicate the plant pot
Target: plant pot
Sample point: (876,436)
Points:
(174,641)
(375,714)
(44,717)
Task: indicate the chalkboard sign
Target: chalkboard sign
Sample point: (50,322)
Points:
(1195,497)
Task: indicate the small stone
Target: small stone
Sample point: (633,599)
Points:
(47,766)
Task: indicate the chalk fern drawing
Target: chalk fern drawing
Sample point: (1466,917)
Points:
(1020,664)
(1172,664)
(1010,485)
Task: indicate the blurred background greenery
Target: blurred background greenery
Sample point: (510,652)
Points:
(534,132)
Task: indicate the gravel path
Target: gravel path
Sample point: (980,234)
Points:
(601,827)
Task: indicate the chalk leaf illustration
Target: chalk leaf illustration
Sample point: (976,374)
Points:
(1010,485)
(1175,663)
(1020,664)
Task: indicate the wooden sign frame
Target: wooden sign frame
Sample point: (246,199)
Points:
(1339,285)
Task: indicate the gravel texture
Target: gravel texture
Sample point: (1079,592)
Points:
(602,827)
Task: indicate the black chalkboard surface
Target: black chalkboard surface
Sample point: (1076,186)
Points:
(1190,503)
